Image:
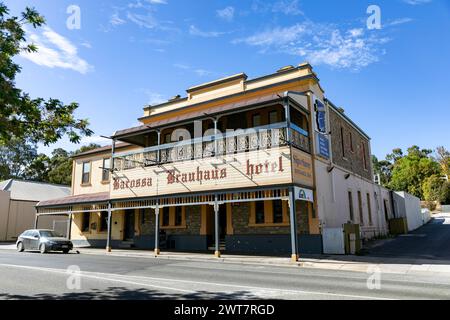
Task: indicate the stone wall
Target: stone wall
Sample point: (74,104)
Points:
(351,157)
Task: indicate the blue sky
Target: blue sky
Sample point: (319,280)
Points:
(393,81)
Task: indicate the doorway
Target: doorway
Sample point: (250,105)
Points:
(128,232)
(222,222)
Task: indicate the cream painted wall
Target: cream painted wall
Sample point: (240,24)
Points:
(4,211)
(95,185)
(116,231)
(333,204)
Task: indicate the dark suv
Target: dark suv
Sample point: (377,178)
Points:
(44,241)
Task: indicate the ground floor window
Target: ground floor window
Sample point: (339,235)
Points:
(266,213)
(103,225)
(173,217)
(85,221)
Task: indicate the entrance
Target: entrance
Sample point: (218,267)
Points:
(129,225)
(222,222)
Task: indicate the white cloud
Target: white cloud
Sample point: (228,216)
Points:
(287,7)
(115,20)
(193,30)
(416,2)
(321,44)
(397,22)
(55,51)
(198,71)
(226,14)
(154,98)
(95,139)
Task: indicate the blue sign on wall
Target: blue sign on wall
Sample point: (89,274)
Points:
(321,116)
(323,146)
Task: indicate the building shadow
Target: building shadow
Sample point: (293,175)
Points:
(122,293)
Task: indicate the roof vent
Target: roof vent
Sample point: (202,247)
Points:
(286,68)
(341,110)
(175,98)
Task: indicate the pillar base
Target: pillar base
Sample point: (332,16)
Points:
(108,249)
(217,254)
(294,258)
(157,252)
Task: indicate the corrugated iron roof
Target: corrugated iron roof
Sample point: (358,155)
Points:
(76,199)
(33,191)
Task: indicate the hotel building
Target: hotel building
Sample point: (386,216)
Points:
(266,165)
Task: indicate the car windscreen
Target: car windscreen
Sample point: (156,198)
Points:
(49,234)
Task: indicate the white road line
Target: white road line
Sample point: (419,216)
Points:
(107,276)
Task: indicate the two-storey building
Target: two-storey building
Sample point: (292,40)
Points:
(237,165)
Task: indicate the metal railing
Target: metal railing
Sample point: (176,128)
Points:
(259,138)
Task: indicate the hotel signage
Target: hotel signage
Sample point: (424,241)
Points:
(302,169)
(243,170)
(321,116)
(322,145)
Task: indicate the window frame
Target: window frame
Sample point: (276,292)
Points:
(369,207)
(101,227)
(85,217)
(107,171)
(351,208)
(89,162)
(360,208)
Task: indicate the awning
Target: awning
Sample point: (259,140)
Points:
(77,199)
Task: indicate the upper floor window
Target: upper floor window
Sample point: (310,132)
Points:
(106,167)
(273,117)
(86,177)
(364,157)
(342,142)
(256,120)
(350,137)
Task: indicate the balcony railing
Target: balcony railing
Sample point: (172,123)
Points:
(259,138)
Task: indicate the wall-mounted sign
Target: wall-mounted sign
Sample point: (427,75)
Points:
(242,170)
(302,170)
(322,145)
(303,194)
(321,116)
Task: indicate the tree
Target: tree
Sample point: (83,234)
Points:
(23,117)
(383,168)
(443,157)
(432,188)
(15,158)
(409,172)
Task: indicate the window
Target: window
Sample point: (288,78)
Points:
(360,207)
(363,150)
(342,142)
(145,215)
(106,166)
(273,117)
(350,137)
(85,179)
(85,221)
(167,138)
(259,212)
(165,217)
(369,208)
(103,221)
(178,216)
(350,202)
(256,120)
(277,211)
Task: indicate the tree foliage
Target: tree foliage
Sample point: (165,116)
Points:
(416,172)
(22,161)
(21,116)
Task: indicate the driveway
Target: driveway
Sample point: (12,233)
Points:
(431,241)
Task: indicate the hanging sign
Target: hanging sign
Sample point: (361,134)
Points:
(303,194)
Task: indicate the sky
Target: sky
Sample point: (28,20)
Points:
(114,57)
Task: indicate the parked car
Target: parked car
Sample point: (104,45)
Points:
(43,240)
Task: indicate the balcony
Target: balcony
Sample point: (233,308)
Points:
(238,141)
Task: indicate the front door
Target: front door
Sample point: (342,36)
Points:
(129,225)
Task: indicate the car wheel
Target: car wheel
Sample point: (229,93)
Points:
(20,247)
(65,251)
(42,248)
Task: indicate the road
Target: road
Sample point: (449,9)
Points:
(35,276)
(431,241)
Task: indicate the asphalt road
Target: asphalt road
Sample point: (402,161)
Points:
(35,276)
(432,241)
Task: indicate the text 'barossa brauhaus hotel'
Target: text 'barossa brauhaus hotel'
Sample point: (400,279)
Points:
(262,166)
